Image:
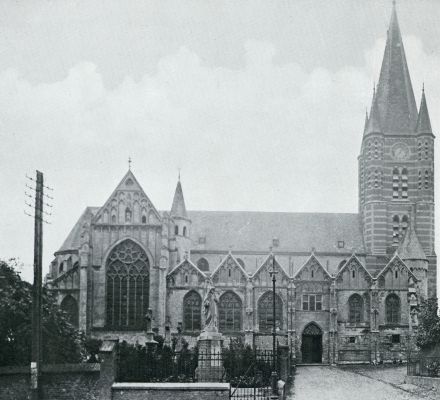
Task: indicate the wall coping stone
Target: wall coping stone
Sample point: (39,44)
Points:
(212,386)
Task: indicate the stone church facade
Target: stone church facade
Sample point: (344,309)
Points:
(348,285)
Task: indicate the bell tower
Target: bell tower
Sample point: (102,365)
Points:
(396,161)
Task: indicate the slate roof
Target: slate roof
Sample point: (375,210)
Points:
(178,209)
(254,231)
(395,96)
(410,247)
(73,240)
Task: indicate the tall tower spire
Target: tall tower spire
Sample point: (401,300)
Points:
(395,96)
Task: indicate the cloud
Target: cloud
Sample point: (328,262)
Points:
(266,136)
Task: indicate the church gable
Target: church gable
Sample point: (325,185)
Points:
(262,276)
(395,275)
(229,273)
(128,204)
(353,275)
(186,274)
(312,270)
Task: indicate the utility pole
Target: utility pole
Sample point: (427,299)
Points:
(36,355)
(273,273)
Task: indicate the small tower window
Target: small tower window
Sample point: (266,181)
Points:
(61,269)
(404,183)
(396,274)
(404,224)
(426,150)
(312,273)
(420,180)
(184,231)
(396,222)
(353,274)
(176,230)
(426,179)
(396,183)
(419,150)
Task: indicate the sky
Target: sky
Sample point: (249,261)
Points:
(261,104)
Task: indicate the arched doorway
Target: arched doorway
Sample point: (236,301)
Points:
(311,345)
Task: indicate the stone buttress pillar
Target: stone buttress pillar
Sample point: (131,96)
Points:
(84,257)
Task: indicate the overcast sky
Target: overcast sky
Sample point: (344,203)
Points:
(260,103)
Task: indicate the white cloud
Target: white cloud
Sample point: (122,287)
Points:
(267,136)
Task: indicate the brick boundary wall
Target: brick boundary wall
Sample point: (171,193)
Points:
(64,381)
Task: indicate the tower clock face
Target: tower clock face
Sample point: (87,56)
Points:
(400,151)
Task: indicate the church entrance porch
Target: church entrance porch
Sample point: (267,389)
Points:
(311,344)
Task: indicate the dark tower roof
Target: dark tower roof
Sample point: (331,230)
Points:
(395,96)
(410,248)
(178,208)
(423,121)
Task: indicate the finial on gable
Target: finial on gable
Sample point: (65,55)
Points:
(179,174)
(129,163)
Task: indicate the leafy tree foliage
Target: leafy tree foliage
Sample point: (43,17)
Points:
(62,343)
(428,333)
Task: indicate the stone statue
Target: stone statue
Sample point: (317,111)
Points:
(210,309)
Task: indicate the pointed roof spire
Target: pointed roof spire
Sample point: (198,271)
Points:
(410,248)
(423,121)
(366,120)
(395,96)
(374,122)
(178,208)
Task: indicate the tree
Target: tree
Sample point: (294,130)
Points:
(62,342)
(428,334)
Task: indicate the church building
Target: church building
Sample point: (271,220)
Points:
(347,285)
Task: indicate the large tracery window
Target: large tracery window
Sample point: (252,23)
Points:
(392,307)
(230,310)
(128,282)
(355,308)
(265,312)
(192,310)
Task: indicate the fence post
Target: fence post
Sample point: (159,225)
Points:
(284,362)
(108,356)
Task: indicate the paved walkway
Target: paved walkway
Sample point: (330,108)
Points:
(328,383)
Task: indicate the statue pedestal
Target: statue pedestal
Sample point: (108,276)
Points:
(210,362)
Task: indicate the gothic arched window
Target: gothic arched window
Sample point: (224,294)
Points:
(184,231)
(355,308)
(392,309)
(230,311)
(70,306)
(128,283)
(203,264)
(176,230)
(396,181)
(127,215)
(192,311)
(144,219)
(265,312)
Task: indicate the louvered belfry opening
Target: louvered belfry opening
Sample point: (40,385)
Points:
(128,283)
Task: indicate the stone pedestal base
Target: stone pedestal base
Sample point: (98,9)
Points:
(210,363)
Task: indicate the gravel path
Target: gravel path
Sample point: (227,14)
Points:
(328,383)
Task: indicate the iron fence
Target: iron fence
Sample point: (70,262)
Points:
(424,366)
(245,370)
